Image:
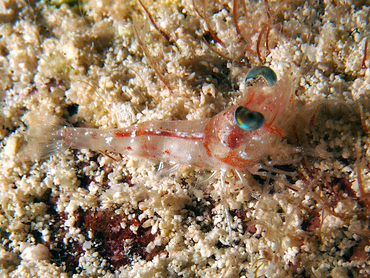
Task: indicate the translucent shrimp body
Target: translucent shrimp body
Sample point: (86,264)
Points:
(218,143)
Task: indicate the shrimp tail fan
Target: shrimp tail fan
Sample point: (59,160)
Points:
(45,136)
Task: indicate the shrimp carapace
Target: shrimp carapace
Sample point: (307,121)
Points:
(229,145)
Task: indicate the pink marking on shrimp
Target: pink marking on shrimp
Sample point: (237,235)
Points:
(218,143)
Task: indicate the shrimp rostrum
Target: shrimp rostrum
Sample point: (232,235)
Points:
(236,138)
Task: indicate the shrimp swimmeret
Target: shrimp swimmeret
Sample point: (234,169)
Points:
(236,138)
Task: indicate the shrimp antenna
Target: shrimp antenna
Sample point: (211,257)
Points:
(160,30)
(364,64)
(236,19)
(214,36)
(268,9)
(365,198)
(223,56)
(150,58)
(364,124)
(265,28)
(91,86)
(235,16)
(197,11)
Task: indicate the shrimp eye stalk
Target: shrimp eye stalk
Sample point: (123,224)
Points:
(247,119)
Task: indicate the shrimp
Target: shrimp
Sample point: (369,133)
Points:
(236,138)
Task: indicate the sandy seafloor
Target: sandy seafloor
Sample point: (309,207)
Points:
(88,214)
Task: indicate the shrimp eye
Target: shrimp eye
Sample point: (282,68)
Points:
(266,73)
(247,119)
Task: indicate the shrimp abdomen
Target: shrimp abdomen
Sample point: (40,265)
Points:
(175,141)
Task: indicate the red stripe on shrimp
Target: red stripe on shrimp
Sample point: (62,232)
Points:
(164,133)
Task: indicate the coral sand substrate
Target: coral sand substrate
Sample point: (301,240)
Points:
(108,64)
